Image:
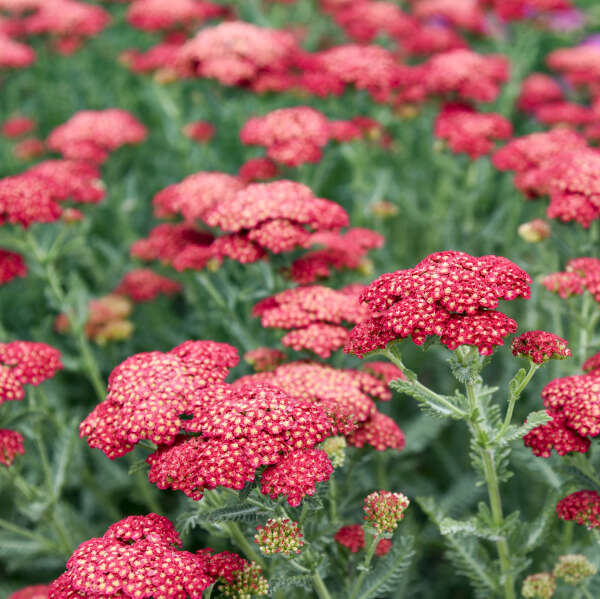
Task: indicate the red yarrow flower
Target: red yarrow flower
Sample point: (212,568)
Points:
(13,54)
(292,136)
(12,266)
(17,126)
(38,591)
(448,294)
(592,363)
(242,429)
(466,14)
(237,53)
(582,506)
(26,199)
(156,15)
(538,89)
(257,169)
(353,538)
(540,346)
(199,131)
(574,404)
(90,135)
(25,363)
(296,474)
(467,74)
(263,359)
(136,557)
(469,131)
(11,444)
(149,392)
(143,285)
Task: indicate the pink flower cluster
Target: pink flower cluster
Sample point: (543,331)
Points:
(582,506)
(11,444)
(139,557)
(448,294)
(573,402)
(90,135)
(25,363)
(143,285)
(469,131)
(384,510)
(540,346)
(156,15)
(209,433)
(314,314)
(581,274)
(345,395)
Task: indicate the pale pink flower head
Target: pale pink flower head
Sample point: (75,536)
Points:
(469,75)
(143,285)
(13,54)
(237,53)
(156,15)
(292,136)
(91,134)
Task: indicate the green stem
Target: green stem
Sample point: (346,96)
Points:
(586,593)
(580,461)
(514,396)
(371,546)
(333,515)
(320,587)
(75,327)
(491,479)
(238,536)
(18,530)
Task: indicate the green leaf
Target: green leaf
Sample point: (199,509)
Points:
(287,582)
(390,570)
(426,400)
(471,527)
(465,373)
(518,432)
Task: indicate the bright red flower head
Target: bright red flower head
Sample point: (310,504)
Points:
(12,266)
(363,21)
(149,392)
(136,557)
(296,475)
(38,591)
(469,131)
(240,429)
(573,402)
(17,126)
(199,131)
(13,54)
(11,444)
(592,363)
(257,169)
(264,358)
(582,506)
(579,64)
(25,363)
(540,346)
(448,294)
(466,14)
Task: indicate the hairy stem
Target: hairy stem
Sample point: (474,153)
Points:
(514,396)
(320,587)
(238,536)
(370,552)
(491,479)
